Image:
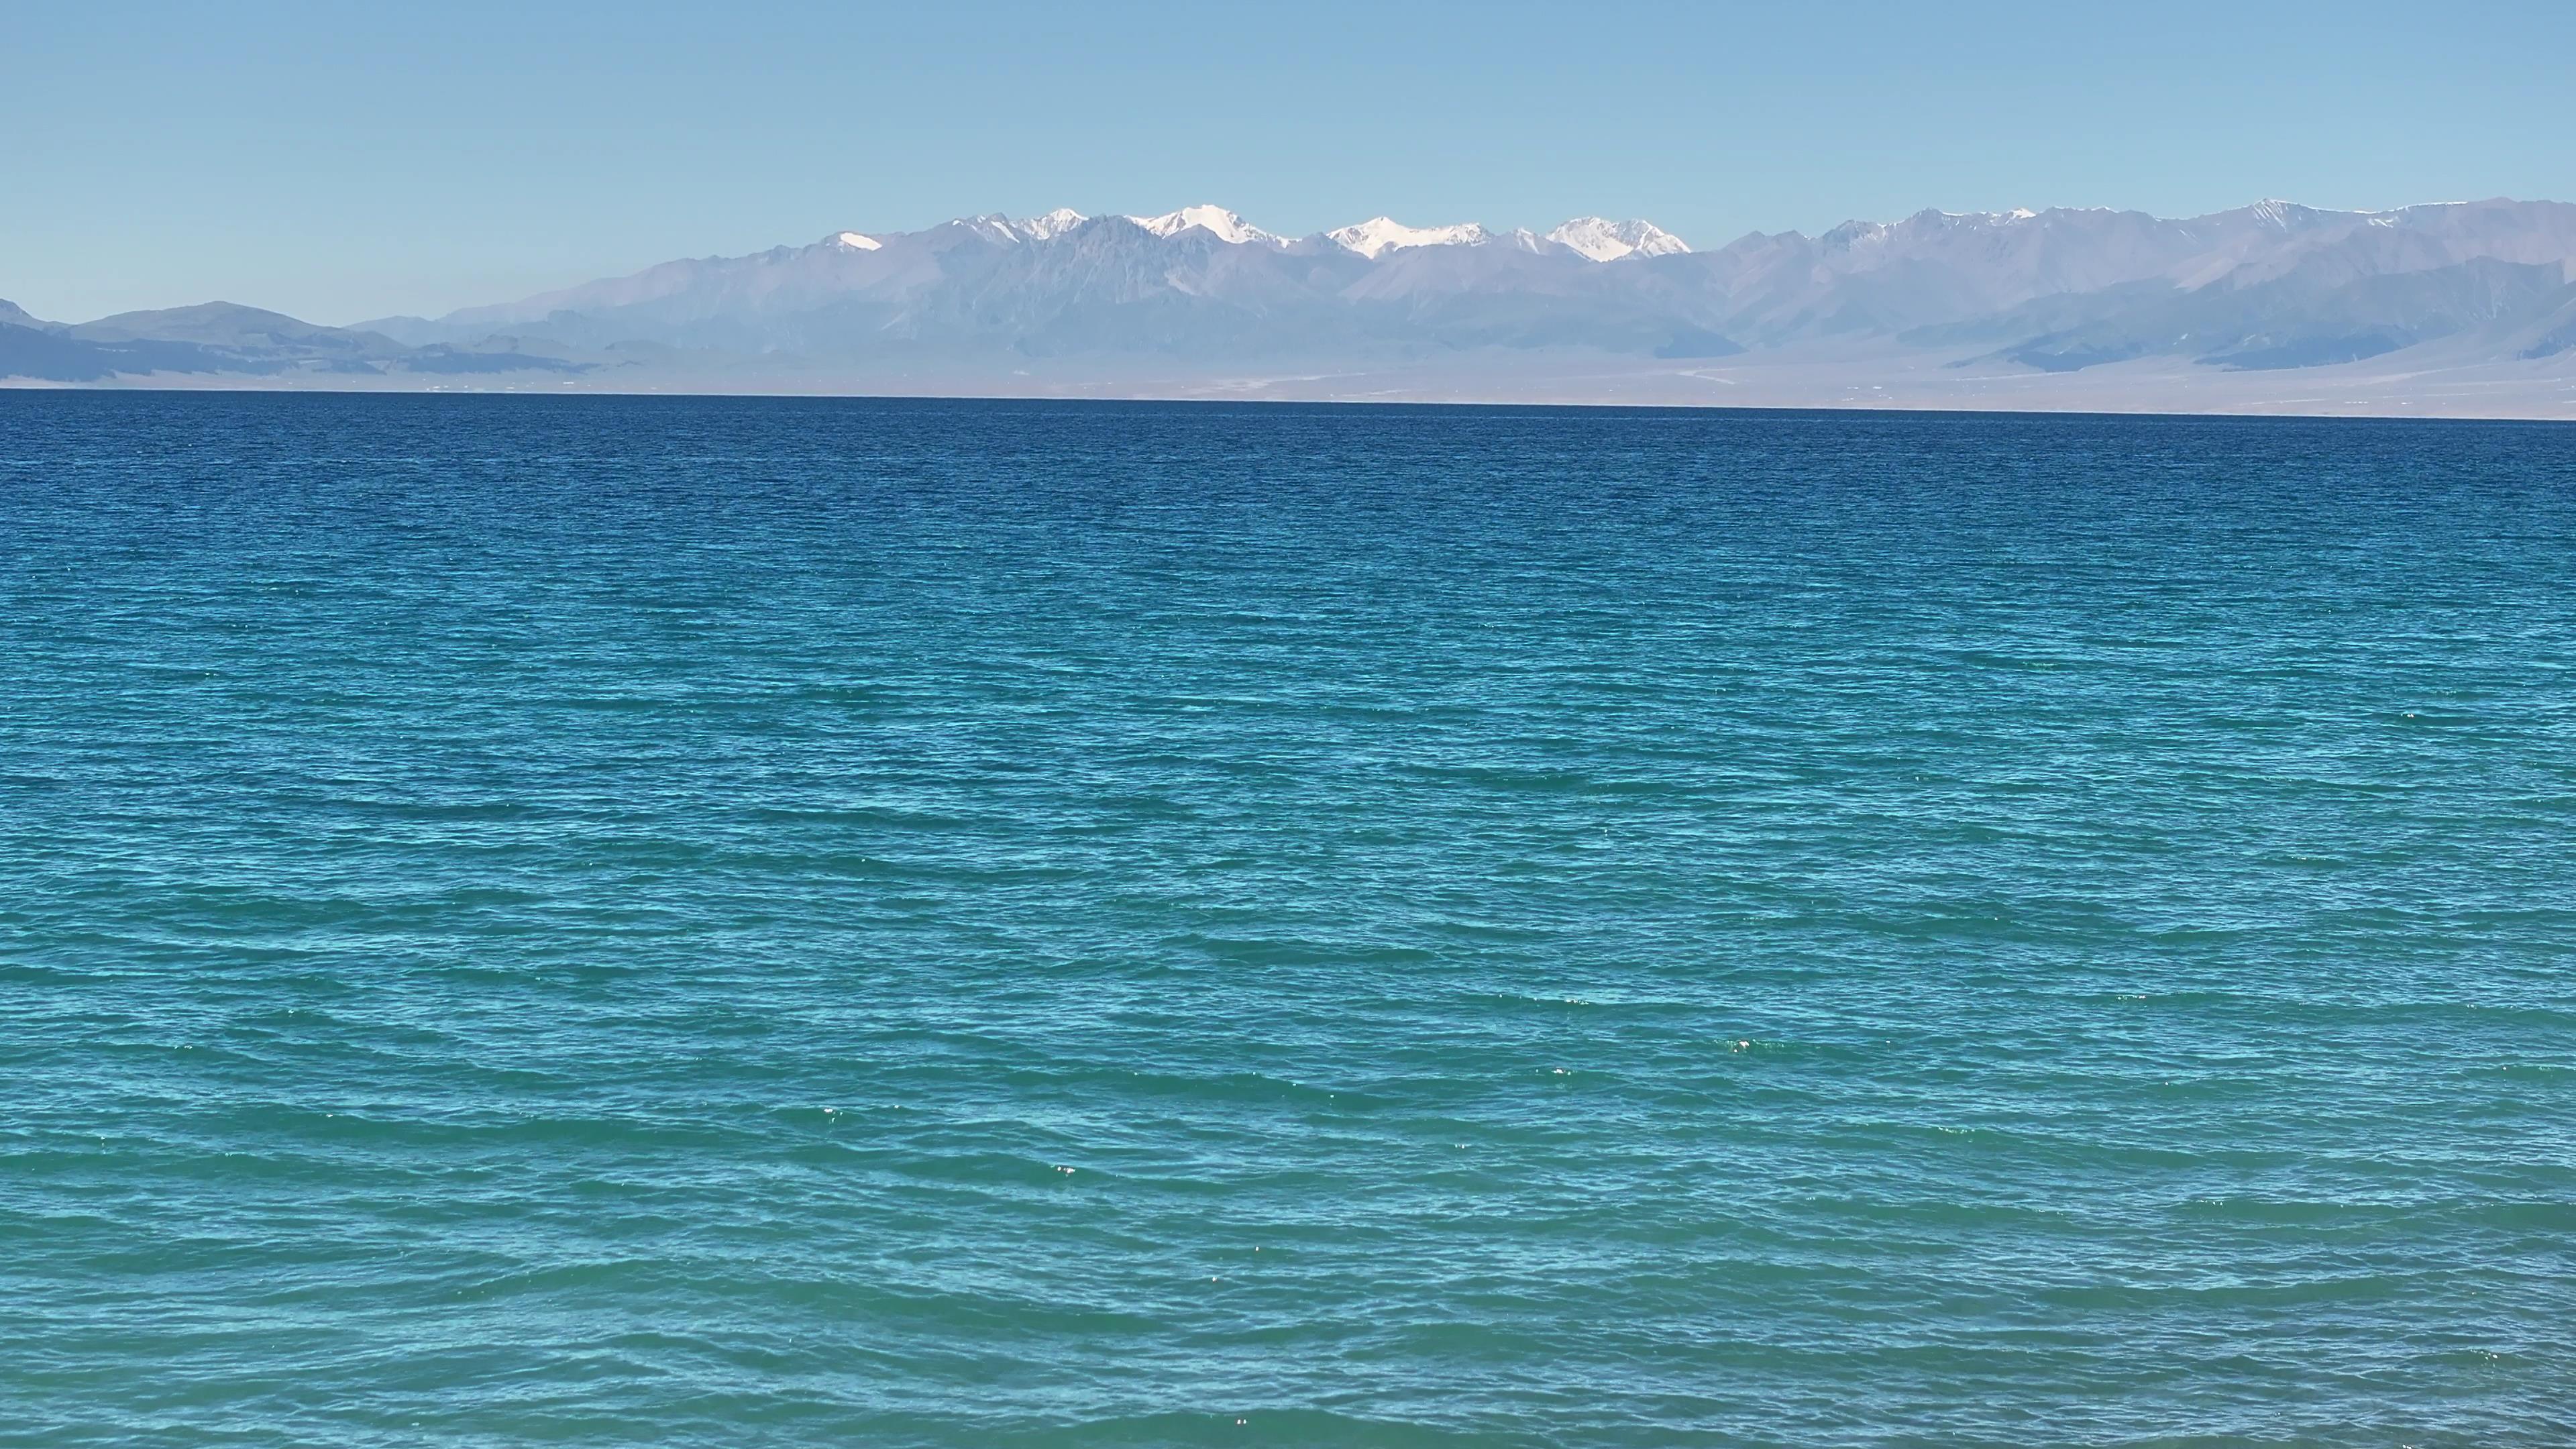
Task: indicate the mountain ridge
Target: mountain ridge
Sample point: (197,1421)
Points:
(1199,295)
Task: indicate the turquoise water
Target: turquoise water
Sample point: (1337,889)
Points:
(714,923)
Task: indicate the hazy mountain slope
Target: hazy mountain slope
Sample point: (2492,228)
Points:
(49,354)
(225,338)
(228,324)
(2551,335)
(2310,317)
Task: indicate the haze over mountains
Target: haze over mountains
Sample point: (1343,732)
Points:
(2454,307)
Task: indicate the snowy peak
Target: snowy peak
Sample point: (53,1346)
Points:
(1379,235)
(1603,240)
(1932,216)
(993,227)
(1597,238)
(1055,223)
(1852,235)
(2276,214)
(1223,224)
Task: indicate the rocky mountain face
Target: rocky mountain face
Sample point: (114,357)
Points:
(1201,290)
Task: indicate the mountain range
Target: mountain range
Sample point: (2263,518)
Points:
(2465,301)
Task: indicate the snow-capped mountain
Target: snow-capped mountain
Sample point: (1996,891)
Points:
(1607,241)
(1202,292)
(1218,222)
(1379,235)
(2266,285)
(1055,223)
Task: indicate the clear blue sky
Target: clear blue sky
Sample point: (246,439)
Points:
(347,160)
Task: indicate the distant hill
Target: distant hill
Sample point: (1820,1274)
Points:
(222,339)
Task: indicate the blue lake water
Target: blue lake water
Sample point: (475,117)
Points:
(759,922)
